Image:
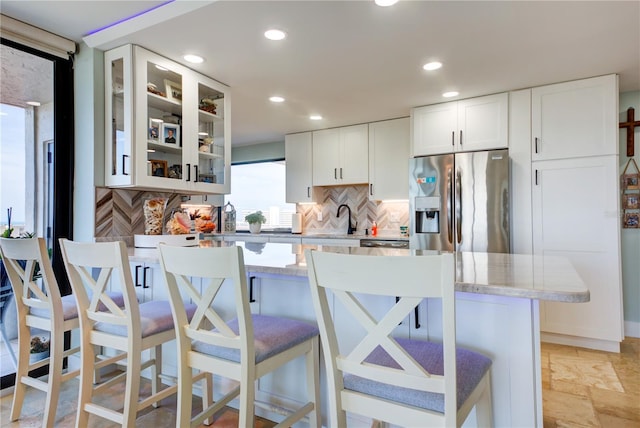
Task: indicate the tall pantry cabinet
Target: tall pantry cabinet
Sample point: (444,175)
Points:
(575,204)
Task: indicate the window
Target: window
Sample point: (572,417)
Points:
(260,187)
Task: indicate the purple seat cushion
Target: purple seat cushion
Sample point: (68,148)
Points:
(272,335)
(155,317)
(70,309)
(470,365)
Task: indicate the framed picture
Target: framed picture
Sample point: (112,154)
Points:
(155,126)
(159,168)
(174,90)
(631,201)
(631,221)
(631,181)
(170,134)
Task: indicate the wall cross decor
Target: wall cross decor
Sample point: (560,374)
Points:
(630,124)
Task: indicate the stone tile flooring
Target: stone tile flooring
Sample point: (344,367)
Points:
(586,388)
(581,388)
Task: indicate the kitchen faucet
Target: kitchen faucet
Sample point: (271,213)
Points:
(350,229)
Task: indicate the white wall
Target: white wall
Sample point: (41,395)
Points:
(89,139)
(630,237)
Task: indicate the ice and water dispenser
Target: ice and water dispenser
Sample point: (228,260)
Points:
(427,212)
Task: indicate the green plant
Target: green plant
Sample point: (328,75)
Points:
(39,345)
(255,217)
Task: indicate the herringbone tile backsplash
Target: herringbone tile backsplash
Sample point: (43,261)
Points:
(388,215)
(119,213)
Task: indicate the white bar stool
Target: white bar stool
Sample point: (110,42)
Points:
(244,348)
(400,381)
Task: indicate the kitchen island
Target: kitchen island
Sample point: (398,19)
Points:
(496,313)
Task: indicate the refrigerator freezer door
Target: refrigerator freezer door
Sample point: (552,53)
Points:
(430,179)
(482,201)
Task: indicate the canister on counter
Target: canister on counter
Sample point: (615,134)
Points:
(229,218)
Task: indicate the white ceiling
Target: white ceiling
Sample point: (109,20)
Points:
(354,62)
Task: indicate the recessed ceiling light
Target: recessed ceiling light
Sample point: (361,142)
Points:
(194,59)
(385,3)
(430,66)
(450,94)
(276,99)
(161,68)
(274,34)
(315,117)
(33,103)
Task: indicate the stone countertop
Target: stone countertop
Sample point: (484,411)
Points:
(512,275)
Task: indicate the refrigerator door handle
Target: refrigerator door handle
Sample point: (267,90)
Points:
(458,206)
(449,207)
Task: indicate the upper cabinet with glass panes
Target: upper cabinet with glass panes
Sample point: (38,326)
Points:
(167,126)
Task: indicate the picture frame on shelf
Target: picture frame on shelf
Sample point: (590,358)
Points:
(173,90)
(159,168)
(631,181)
(155,128)
(631,221)
(170,134)
(631,201)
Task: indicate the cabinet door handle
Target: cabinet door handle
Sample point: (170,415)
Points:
(195,167)
(144,277)
(308,192)
(335,173)
(536,144)
(251,280)
(371,189)
(415,311)
(206,198)
(536,177)
(340,173)
(453,138)
(123,160)
(138,275)
(188,172)
(461,137)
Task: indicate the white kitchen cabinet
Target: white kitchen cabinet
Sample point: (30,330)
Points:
(299,178)
(575,119)
(576,215)
(340,156)
(166,127)
(467,125)
(389,159)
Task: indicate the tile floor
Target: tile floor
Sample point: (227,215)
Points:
(581,388)
(586,388)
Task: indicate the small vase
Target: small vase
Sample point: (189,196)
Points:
(37,356)
(255,227)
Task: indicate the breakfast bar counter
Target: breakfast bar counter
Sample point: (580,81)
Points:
(497,313)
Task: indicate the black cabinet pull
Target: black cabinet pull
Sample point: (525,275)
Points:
(536,177)
(340,173)
(144,277)
(335,173)
(371,189)
(461,137)
(138,275)
(308,192)
(188,172)
(536,144)
(123,170)
(453,138)
(251,280)
(415,311)
(195,167)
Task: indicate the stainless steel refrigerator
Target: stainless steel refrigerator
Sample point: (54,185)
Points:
(460,202)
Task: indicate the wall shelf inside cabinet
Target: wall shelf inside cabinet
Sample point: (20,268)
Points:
(205,116)
(159,147)
(164,104)
(206,155)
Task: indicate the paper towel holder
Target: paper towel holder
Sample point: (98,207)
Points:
(296,223)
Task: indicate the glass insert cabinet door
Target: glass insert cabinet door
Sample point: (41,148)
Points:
(168,126)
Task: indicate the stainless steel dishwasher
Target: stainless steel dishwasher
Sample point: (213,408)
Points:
(384,243)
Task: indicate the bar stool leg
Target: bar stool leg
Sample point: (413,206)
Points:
(207,395)
(312,360)
(132,387)
(156,370)
(85,394)
(247,399)
(55,379)
(22,370)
